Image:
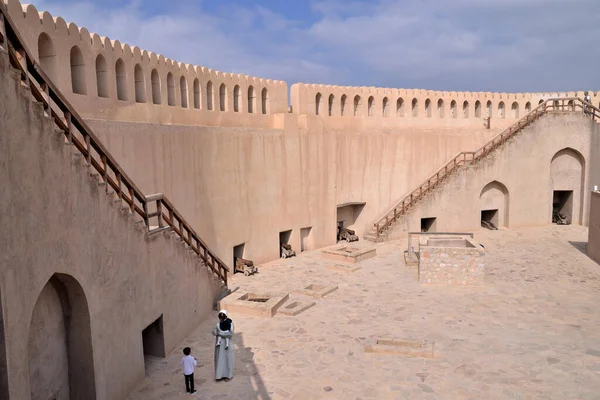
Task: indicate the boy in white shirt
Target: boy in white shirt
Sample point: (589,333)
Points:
(188,362)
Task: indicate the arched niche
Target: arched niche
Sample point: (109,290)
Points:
(60,331)
(494,204)
(567,180)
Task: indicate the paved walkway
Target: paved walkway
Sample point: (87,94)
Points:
(531,332)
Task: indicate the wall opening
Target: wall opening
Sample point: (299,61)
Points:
(428,108)
(465,109)
(477,109)
(562,206)
(153,341)
(101,76)
(331,99)
(155,87)
(121,75)
(489,219)
(370,106)
(223,97)
(251,99)
(306,239)
(343,105)
(318,103)
(567,173)
(527,107)
(140,84)
(400,107)
(415,108)
(209,95)
(440,108)
(385,105)
(265,101)
(453,109)
(571,105)
(348,213)
(428,224)
(494,196)
(197,94)
(284,238)
(489,109)
(184,92)
(501,110)
(47,56)
(237,98)
(170,89)
(357,106)
(78,83)
(238,252)
(514,110)
(60,331)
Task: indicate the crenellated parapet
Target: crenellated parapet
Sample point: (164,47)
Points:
(109,79)
(415,104)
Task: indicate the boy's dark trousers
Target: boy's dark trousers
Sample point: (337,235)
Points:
(189,382)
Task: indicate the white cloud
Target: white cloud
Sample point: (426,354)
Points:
(500,45)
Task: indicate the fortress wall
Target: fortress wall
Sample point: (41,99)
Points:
(384,107)
(58,222)
(103,72)
(235,185)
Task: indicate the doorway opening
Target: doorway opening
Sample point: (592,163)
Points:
(238,252)
(153,339)
(284,238)
(562,207)
(489,219)
(428,224)
(306,239)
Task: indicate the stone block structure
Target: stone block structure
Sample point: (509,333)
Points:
(451,261)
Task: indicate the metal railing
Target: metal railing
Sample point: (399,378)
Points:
(79,134)
(568,104)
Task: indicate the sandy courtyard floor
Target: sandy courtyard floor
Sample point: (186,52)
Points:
(531,332)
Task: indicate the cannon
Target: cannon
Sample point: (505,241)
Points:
(559,219)
(245,266)
(347,235)
(286,251)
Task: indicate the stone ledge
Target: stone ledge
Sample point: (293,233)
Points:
(295,307)
(317,291)
(349,254)
(254,304)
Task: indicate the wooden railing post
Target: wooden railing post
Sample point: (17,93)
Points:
(88,156)
(119,189)
(47,106)
(159,212)
(146,219)
(132,197)
(69,127)
(104,171)
(22,57)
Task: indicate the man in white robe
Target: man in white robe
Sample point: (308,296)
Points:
(223,357)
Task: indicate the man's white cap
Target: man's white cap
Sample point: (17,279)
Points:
(223,312)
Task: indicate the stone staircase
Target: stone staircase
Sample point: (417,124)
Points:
(154,213)
(401,210)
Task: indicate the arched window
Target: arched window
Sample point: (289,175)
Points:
(489,108)
(251,99)
(400,107)
(428,108)
(209,95)
(156,98)
(197,94)
(540,102)
(370,106)
(415,108)
(465,109)
(121,75)
(237,98)
(170,89)
(77,71)
(385,107)
(528,107)
(184,92)
(440,108)
(501,113)
(453,109)
(571,105)
(331,99)
(317,103)
(264,96)
(514,110)
(223,97)
(477,109)
(343,105)
(357,105)
(101,76)
(47,55)
(140,84)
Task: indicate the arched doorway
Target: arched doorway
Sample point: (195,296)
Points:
(494,205)
(60,358)
(567,179)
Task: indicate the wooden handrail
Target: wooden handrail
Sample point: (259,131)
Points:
(79,134)
(471,157)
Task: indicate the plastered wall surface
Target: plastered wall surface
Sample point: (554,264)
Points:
(593,246)
(59,221)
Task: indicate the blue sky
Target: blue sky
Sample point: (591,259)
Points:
(476,45)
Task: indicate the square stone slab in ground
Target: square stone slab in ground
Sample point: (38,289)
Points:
(402,347)
(317,291)
(295,307)
(255,304)
(349,254)
(343,268)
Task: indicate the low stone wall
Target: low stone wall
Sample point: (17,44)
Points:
(451,262)
(593,246)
